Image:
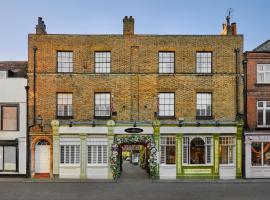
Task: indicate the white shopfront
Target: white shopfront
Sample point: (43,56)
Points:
(257,146)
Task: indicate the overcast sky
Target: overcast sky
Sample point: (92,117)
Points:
(19,17)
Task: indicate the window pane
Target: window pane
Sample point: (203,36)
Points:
(170,154)
(1,158)
(256,154)
(197,151)
(10,158)
(9,121)
(64,104)
(204,103)
(203,62)
(260,117)
(267,120)
(266,153)
(166,104)
(102,62)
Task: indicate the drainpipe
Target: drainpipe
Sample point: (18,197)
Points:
(34,116)
(237,50)
(35,66)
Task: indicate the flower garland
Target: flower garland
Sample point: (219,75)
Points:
(134,139)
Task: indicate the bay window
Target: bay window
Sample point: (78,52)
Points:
(197,150)
(167,149)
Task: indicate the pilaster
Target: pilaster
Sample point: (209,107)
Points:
(216,155)
(56,147)
(83,163)
(178,155)
(156,127)
(110,136)
(239,137)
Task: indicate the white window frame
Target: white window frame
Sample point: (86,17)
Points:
(207,146)
(64,61)
(95,143)
(166,61)
(204,62)
(166,104)
(69,105)
(264,109)
(77,154)
(228,141)
(101,100)
(263,70)
(204,97)
(164,140)
(102,62)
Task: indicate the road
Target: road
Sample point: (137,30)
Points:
(134,189)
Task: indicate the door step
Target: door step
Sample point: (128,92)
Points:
(42,175)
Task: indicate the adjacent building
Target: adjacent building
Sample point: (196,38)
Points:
(257,134)
(180,96)
(13,112)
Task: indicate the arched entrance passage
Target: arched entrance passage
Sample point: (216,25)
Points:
(145,140)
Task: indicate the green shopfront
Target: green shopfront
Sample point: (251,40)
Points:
(177,151)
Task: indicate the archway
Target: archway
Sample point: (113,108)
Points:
(148,141)
(42,158)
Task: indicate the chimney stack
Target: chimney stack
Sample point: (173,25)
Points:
(234,29)
(41,27)
(128,25)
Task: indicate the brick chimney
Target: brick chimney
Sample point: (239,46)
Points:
(41,27)
(234,29)
(128,25)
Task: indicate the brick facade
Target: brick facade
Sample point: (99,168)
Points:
(134,81)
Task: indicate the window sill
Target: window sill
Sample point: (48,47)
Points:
(168,165)
(197,165)
(69,165)
(204,118)
(97,165)
(64,117)
(266,166)
(227,165)
(102,117)
(263,127)
(166,117)
(204,74)
(262,84)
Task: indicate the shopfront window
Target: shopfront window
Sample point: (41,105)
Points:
(260,153)
(167,148)
(227,149)
(8,158)
(197,151)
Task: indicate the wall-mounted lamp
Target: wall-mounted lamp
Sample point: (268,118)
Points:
(217,123)
(135,124)
(39,122)
(93,123)
(198,123)
(180,121)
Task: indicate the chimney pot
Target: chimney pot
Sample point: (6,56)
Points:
(41,27)
(234,28)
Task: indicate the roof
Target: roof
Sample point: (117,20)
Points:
(263,47)
(14,68)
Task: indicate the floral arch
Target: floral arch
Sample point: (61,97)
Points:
(134,139)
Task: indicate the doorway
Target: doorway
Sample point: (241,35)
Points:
(42,157)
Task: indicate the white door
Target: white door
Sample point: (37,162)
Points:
(42,158)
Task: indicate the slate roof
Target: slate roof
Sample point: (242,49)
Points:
(263,47)
(14,68)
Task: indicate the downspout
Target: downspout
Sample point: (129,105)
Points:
(34,116)
(27,135)
(237,50)
(245,115)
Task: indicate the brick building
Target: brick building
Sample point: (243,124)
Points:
(257,134)
(180,96)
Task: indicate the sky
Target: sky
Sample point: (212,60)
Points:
(18,18)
